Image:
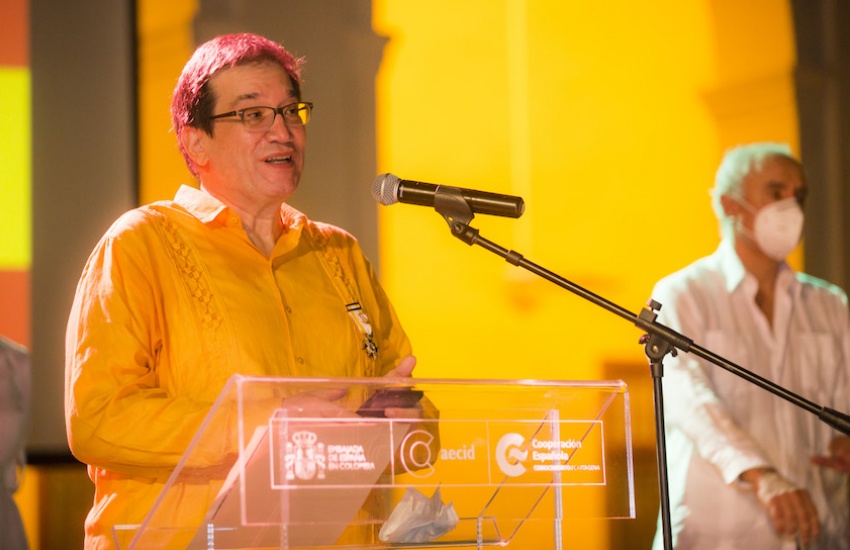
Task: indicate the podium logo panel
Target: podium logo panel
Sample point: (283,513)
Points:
(533,452)
(470,453)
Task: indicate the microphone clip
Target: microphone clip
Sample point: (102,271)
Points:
(450,203)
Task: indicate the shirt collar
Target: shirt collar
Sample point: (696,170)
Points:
(293,220)
(731,265)
(207,208)
(736,274)
(200,204)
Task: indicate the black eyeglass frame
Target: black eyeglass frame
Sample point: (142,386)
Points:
(300,106)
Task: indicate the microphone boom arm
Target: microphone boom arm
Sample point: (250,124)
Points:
(646,321)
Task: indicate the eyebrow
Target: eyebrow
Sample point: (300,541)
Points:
(777,185)
(243,97)
(255,95)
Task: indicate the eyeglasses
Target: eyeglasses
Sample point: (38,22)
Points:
(262,118)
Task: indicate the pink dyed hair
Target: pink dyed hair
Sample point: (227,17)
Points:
(193,100)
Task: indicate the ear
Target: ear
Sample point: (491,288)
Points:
(731,207)
(193,140)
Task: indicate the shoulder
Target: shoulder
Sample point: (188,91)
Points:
(13,350)
(815,286)
(329,232)
(136,234)
(703,273)
(693,294)
(822,302)
(327,236)
(144,226)
(141,218)
(340,248)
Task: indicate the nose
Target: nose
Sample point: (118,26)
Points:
(279,127)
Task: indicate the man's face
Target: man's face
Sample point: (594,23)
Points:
(779,178)
(252,167)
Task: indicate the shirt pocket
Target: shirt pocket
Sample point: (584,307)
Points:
(813,357)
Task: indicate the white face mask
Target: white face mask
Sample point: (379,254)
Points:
(777,227)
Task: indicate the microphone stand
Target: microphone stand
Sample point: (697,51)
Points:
(658,340)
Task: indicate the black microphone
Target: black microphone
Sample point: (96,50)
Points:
(389,189)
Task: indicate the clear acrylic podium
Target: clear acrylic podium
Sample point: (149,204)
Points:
(291,463)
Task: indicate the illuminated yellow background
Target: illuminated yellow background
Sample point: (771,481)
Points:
(609,118)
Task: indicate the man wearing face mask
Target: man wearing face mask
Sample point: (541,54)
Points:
(747,469)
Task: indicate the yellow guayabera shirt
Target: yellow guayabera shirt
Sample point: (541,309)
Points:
(173,301)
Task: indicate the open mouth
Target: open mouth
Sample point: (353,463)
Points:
(279,160)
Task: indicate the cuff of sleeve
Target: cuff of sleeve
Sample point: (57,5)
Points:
(732,466)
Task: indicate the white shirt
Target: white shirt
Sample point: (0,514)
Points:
(718,425)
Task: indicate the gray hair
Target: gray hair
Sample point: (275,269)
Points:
(737,163)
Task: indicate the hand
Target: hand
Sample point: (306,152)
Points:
(317,403)
(404,369)
(790,509)
(839,455)
(429,440)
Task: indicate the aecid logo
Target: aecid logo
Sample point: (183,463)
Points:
(510,454)
(415,453)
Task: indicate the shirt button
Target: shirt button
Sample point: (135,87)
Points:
(288,309)
(300,360)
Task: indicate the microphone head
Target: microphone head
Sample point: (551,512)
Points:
(385,189)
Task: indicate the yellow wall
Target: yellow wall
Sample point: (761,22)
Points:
(610,120)
(626,109)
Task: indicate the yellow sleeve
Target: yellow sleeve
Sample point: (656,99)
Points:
(118,416)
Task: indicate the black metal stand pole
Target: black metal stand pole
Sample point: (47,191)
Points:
(656,348)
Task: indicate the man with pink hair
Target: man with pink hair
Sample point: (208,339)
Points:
(226,278)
